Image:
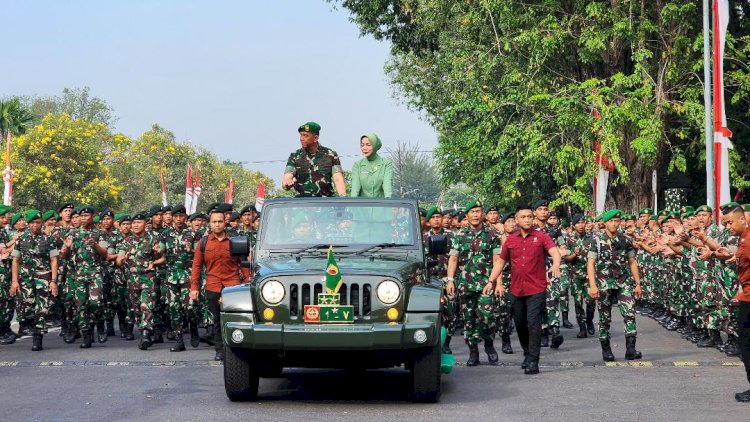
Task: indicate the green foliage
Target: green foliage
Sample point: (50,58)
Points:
(78,103)
(14,118)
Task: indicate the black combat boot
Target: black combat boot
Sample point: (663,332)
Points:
(526,359)
(743,397)
(582,331)
(446,346)
(129,336)
(566,322)
(122,324)
(185,325)
(638,308)
(101,332)
(557,338)
(489,348)
(209,337)
(194,337)
(146,341)
(532,368)
(158,337)
(703,336)
(473,355)
(111,328)
(730,346)
(86,342)
(63,328)
(712,339)
(70,336)
(607,354)
(180,346)
(545,338)
(506,347)
(630,352)
(590,309)
(219,354)
(9,337)
(37,346)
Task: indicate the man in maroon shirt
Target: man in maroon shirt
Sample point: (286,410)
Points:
(734,220)
(222,270)
(525,250)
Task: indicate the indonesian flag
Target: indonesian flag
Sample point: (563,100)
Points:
(196,189)
(164,201)
(261,197)
(189,189)
(604,166)
(722,145)
(333,277)
(8,174)
(230,191)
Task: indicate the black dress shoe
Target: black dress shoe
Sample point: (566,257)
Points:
(557,338)
(180,346)
(743,397)
(545,338)
(532,369)
(506,347)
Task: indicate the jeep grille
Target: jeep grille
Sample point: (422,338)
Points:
(358,295)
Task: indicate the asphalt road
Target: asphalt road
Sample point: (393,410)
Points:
(116,381)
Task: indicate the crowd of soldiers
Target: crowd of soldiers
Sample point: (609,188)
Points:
(80,269)
(677,267)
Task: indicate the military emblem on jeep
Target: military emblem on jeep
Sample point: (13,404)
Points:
(329,308)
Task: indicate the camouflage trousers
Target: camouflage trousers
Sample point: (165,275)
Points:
(121,298)
(581,298)
(178,298)
(479,324)
(729,285)
(161,292)
(108,287)
(552,308)
(142,299)
(623,298)
(84,293)
(34,301)
(504,310)
(565,292)
(7,303)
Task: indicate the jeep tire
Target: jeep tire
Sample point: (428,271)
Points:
(240,374)
(425,375)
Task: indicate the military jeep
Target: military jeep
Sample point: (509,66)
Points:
(385,314)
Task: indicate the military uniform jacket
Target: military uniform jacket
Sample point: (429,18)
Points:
(84,259)
(175,252)
(577,244)
(612,255)
(34,253)
(140,251)
(314,173)
(475,249)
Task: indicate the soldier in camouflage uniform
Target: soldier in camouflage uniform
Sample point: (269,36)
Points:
(552,309)
(34,276)
(160,316)
(106,225)
(439,272)
(88,250)
(475,255)
(7,304)
(577,246)
(177,244)
(313,169)
(504,305)
(125,314)
(140,254)
(614,278)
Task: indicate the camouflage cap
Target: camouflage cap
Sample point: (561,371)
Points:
(432,211)
(311,127)
(472,204)
(608,215)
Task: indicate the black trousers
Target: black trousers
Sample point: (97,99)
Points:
(527,313)
(215,308)
(743,331)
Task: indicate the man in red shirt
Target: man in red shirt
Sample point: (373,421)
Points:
(222,270)
(733,218)
(525,250)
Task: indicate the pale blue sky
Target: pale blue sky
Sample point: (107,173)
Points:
(235,76)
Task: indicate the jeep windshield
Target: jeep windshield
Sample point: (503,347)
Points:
(298,227)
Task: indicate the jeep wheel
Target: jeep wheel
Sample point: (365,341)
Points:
(425,375)
(240,374)
(270,371)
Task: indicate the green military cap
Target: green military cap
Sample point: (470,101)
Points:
(674,215)
(608,215)
(506,216)
(473,204)
(4,209)
(492,208)
(143,216)
(49,214)
(194,215)
(118,215)
(14,219)
(598,217)
(703,208)
(686,208)
(86,209)
(422,212)
(564,222)
(746,207)
(166,209)
(648,211)
(663,219)
(664,212)
(311,127)
(730,207)
(688,214)
(179,209)
(432,211)
(654,217)
(248,208)
(32,214)
(155,209)
(106,213)
(629,217)
(235,216)
(65,205)
(225,207)
(122,218)
(589,219)
(75,212)
(211,207)
(576,218)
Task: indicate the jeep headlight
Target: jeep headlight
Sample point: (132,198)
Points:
(272,292)
(388,292)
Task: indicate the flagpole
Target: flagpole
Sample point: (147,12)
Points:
(707,126)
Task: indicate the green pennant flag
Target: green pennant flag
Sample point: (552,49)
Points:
(333,277)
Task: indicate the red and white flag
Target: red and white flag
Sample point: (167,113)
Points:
(196,189)
(8,175)
(164,201)
(722,145)
(189,189)
(605,165)
(261,197)
(230,192)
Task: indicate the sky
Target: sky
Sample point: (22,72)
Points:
(237,77)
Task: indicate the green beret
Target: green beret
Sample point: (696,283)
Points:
(654,217)
(17,216)
(576,218)
(248,208)
(492,208)
(730,207)
(4,209)
(705,208)
(608,215)
(211,207)
(746,207)
(30,215)
(118,215)
(629,217)
(143,216)
(473,204)
(311,127)
(86,209)
(663,219)
(422,212)
(598,217)
(49,214)
(506,216)
(673,215)
(122,218)
(648,211)
(686,208)
(688,214)
(74,212)
(589,219)
(166,209)
(432,211)
(179,209)
(194,215)
(65,205)
(155,209)
(664,212)
(106,213)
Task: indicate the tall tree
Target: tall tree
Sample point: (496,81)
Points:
(78,103)
(415,175)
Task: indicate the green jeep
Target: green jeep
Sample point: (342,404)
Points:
(385,312)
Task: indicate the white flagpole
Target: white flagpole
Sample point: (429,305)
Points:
(708,122)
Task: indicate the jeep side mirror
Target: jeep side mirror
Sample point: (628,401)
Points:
(437,244)
(238,246)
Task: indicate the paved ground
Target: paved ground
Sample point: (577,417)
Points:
(116,381)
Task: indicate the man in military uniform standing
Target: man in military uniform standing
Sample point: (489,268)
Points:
(475,255)
(614,279)
(7,304)
(313,170)
(578,244)
(439,272)
(552,308)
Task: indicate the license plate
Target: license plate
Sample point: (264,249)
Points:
(332,314)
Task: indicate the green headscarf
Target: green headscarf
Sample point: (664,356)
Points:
(376,145)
